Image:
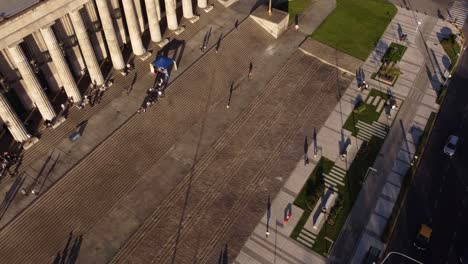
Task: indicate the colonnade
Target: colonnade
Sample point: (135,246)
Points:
(107,20)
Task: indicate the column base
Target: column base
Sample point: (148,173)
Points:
(58,122)
(193,19)
(163,42)
(30,142)
(145,56)
(209,8)
(179,30)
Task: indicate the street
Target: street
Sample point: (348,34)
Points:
(438,195)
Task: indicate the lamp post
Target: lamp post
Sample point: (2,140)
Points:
(269,7)
(417,27)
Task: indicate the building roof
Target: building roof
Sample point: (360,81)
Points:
(9,8)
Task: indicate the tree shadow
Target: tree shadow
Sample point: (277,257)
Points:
(444,33)
(10,195)
(447,63)
(69,254)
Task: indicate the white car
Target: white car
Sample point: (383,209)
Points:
(451,145)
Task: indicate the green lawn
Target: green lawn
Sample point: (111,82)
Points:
(368,115)
(408,178)
(311,192)
(394,53)
(353,182)
(294,7)
(355,26)
(452,48)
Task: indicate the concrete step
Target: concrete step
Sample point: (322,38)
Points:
(338,172)
(308,233)
(376,101)
(333,187)
(363,137)
(380,125)
(337,175)
(334,177)
(306,237)
(366,132)
(333,181)
(376,128)
(336,168)
(371,129)
(370,99)
(304,242)
(380,106)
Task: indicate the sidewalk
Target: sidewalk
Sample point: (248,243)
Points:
(380,189)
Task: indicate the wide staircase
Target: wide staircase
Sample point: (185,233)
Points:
(87,192)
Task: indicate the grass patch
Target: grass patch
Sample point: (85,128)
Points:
(311,192)
(452,49)
(394,53)
(364,112)
(355,26)
(441,95)
(353,182)
(294,7)
(405,185)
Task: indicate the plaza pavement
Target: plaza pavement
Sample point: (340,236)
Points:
(418,87)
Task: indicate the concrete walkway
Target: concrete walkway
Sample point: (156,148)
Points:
(366,221)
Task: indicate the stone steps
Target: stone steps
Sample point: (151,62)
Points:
(306,238)
(333,181)
(371,129)
(330,186)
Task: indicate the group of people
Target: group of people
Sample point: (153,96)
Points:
(363,86)
(152,95)
(7,160)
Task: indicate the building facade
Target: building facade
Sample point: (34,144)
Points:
(47,47)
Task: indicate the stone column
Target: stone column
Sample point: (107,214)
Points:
(139,13)
(116,12)
(171,14)
(202,3)
(86,48)
(187,8)
(33,87)
(61,66)
(153,22)
(158,9)
(111,36)
(96,34)
(12,121)
(133,28)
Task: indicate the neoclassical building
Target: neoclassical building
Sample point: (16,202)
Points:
(47,46)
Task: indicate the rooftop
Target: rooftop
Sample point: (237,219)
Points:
(9,8)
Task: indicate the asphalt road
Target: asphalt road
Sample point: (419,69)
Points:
(439,192)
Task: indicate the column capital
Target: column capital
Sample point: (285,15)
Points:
(48,25)
(16,43)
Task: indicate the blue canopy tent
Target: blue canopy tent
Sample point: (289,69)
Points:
(162,64)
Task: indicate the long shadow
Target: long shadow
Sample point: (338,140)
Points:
(191,175)
(10,195)
(31,187)
(49,172)
(69,254)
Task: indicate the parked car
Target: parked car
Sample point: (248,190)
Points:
(451,145)
(423,238)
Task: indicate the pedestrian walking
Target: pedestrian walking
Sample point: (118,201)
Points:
(230,95)
(236,24)
(250,70)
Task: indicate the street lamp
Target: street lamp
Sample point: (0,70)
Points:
(419,24)
(400,254)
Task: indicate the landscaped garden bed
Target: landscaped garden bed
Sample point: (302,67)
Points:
(452,49)
(313,189)
(355,26)
(364,112)
(353,182)
(389,71)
